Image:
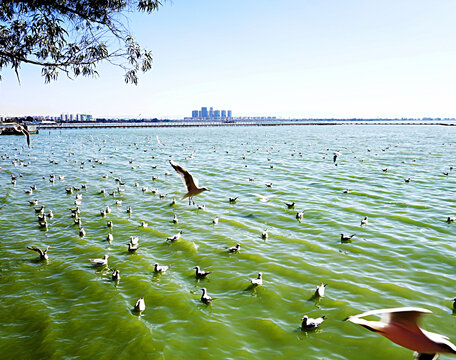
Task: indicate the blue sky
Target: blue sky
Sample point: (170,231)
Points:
(293,58)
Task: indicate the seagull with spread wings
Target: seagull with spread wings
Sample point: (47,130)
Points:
(400,325)
(189,181)
(23,130)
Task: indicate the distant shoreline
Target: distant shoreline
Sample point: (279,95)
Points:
(106,125)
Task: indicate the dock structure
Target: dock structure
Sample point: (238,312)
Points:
(170,124)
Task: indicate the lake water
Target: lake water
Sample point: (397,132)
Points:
(64,308)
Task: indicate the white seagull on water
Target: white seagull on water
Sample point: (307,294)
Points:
(189,181)
(140,305)
(175,237)
(100,262)
(258,280)
(201,274)
(205,298)
(310,323)
(400,325)
(320,290)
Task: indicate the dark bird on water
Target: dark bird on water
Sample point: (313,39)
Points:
(43,254)
(346,238)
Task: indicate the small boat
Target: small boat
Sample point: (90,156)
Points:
(10,129)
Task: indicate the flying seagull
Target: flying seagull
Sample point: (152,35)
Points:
(189,181)
(401,327)
(21,129)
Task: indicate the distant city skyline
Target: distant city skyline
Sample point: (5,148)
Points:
(302,59)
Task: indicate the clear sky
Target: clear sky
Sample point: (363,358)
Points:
(289,58)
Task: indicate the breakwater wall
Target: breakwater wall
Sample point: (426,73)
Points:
(105,125)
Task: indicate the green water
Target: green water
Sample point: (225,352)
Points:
(64,308)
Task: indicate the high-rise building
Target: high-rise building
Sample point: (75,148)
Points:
(204,113)
(194,114)
(216,114)
(211,112)
(229,114)
(223,114)
(200,114)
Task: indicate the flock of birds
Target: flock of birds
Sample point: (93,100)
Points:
(400,325)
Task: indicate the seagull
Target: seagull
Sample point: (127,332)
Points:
(174,237)
(336,154)
(44,224)
(451,219)
(205,298)
(74,212)
(43,254)
(201,274)
(346,238)
(160,268)
(310,323)
(299,215)
(290,205)
(320,290)
(40,210)
(264,234)
(109,224)
(144,224)
(234,249)
(257,281)
(364,221)
(140,305)
(407,180)
(175,219)
(132,247)
(23,130)
(33,202)
(189,181)
(100,262)
(82,232)
(115,275)
(201,207)
(110,238)
(215,220)
(233,200)
(400,325)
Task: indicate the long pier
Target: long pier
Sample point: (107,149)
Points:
(105,125)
